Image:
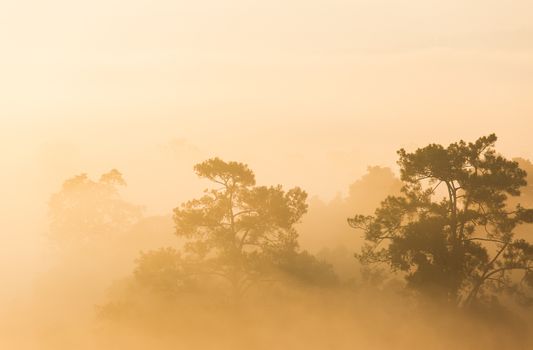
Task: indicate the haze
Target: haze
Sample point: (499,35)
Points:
(307,93)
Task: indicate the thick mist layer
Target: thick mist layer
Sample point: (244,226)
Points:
(114,277)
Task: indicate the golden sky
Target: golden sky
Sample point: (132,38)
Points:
(325,86)
(319,88)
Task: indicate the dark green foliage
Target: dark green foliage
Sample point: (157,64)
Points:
(460,247)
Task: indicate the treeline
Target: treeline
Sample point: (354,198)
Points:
(452,229)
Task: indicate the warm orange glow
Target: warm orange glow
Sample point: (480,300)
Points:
(307,93)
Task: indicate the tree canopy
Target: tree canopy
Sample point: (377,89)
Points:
(462,246)
(86,210)
(238,231)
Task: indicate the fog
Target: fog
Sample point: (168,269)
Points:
(316,95)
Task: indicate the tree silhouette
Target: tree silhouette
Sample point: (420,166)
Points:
(526,193)
(324,225)
(462,247)
(239,231)
(85,210)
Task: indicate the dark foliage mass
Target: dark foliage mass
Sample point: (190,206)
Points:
(462,247)
(237,232)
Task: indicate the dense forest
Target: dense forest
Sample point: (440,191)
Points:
(433,254)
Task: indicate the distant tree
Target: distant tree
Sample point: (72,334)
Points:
(85,210)
(163,271)
(366,193)
(238,230)
(461,247)
(324,226)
